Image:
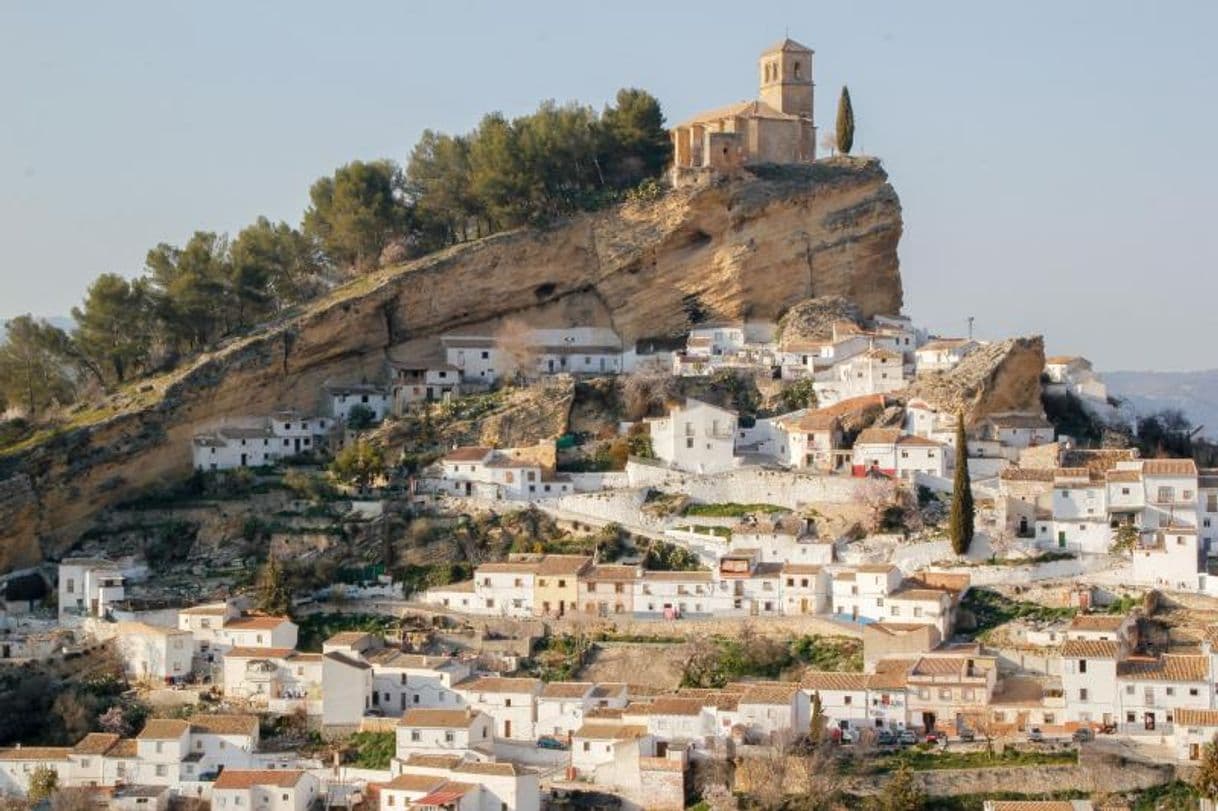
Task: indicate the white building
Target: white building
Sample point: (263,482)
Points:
(511,702)
(346,397)
(890,452)
(422,383)
(512,474)
(253,442)
(810,440)
(696,437)
(437,731)
(216,627)
(269,789)
(874,371)
(1018,430)
(941,354)
(88,587)
(469,785)
(152,653)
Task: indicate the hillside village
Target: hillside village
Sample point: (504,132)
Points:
(517,566)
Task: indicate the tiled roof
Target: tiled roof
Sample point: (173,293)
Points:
(874,568)
(890,674)
(436,718)
(211,609)
(125,748)
(1097,622)
(422,783)
(1169,467)
(499,684)
(255,623)
(446,795)
(95,743)
(36,753)
(163,729)
(768,693)
(563,564)
(470,454)
(608,689)
(800,568)
(918,441)
(247,778)
(1123,475)
(566,689)
(249,652)
(918,595)
(610,732)
(741,109)
(341,658)
(678,577)
(660,764)
(1031,805)
(675,705)
(224,724)
(1193,717)
(1027,474)
(938,666)
(475,767)
(878,436)
(609,571)
(1169,667)
(424,761)
(832,680)
(1091,649)
(508,567)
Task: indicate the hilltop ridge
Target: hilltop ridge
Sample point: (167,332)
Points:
(745,248)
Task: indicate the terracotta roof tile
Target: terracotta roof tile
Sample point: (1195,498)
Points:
(1091,649)
(247,778)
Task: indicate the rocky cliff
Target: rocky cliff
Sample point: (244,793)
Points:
(745,248)
(999,377)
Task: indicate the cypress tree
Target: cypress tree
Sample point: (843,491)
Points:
(961,526)
(816,729)
(845,122)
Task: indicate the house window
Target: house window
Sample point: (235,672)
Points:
(448,737)
(1082,665)
(415,735)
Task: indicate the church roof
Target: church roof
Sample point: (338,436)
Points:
(787,44)
(741,109)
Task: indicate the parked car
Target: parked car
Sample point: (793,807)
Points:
(1083,734)
(968,735)
(907,737)
(1035,735)
(550,742)
(932,737)
(847,737)
(885,738)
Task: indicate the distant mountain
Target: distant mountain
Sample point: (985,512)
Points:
(1194,393)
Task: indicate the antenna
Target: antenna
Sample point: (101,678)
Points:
(971,319)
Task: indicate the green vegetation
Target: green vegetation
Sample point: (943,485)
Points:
(43,782)
(717,660)
(1174,796)
(372,750)
(990,609)
(1205,781)
(920,760)
(960,522)
(420,578)
(559,657)
(274,597)
(901,793)
(317,628)
(731,510)
(358,464)
(1123,604)
(663,556)
(845,122)
(1124,539)
(193,298)
(797,395)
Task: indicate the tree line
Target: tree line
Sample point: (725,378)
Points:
(506,173)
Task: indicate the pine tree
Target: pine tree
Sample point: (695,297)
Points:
(961,526)
(816,728)
(845,122)
(1206,778)
(273,594)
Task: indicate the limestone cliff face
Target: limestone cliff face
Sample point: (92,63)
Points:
(745,248)
(999,377)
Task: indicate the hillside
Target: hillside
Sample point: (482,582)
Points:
(748,248)
(1194,393)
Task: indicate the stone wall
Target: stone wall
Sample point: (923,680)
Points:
(750,485)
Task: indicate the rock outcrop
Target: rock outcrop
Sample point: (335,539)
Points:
(1003,376)
(812,320)
(746,248)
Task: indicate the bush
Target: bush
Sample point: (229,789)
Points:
(373,750)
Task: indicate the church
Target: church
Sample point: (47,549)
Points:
(776,128)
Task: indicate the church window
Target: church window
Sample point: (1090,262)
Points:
(796,69)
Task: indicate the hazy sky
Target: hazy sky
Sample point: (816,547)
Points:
(1056,161)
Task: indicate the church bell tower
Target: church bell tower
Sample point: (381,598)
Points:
(786,78)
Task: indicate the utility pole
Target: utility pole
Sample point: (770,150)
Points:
(970,327)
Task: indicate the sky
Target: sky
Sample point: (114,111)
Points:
(1055,160)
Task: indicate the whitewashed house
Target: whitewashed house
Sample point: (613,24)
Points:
(696,437)
(810,440)
(941,354)
(422,383)
(88,587)
(440,731)
(477,358)
(1018,430)
(469,784)
(511,474)
(511,702)
(153,653)
(279,680)
(346,397)
(1089,680)
(889,452)
(1192,729)
(269,789)
(874,371)
(253,442)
